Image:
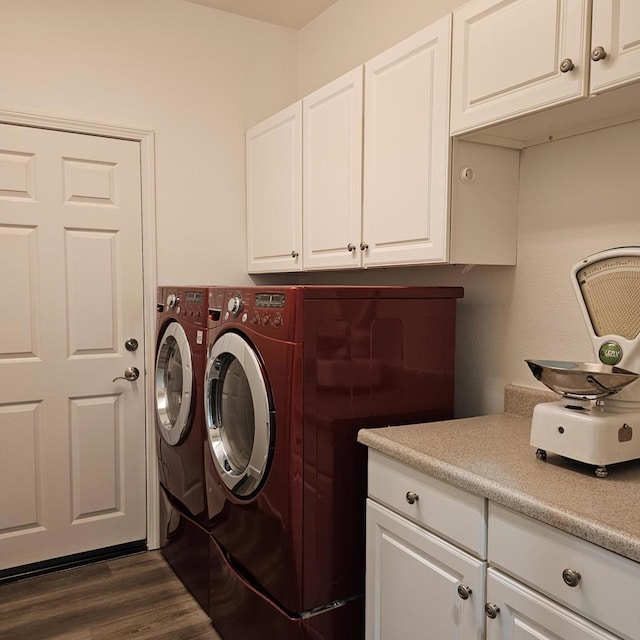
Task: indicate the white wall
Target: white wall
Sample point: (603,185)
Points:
(577,196)
(350,32)
(196,76)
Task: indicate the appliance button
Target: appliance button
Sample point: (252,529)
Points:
(255,319)
(244,317)
(265,320)
(277,321)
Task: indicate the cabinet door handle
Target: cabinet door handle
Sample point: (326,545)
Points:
(571,577)
(351,247)
(567,65)
(464,592)
(363,246)
(492,610)
(294,254)
(598,53)
(411,497)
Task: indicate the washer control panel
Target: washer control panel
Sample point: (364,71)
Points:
(263,311)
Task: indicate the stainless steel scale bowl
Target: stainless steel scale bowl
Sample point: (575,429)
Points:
(598,419)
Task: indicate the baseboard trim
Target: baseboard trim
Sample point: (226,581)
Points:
(14,574)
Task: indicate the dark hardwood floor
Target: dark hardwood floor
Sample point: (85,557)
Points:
(138,597)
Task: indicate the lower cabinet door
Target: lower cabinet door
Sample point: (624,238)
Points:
(518,613)
(418,585)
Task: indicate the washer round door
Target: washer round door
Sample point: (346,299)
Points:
(174,384)
(238,415)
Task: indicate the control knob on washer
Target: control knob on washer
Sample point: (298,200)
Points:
(235,305)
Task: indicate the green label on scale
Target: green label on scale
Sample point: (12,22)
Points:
(610,353)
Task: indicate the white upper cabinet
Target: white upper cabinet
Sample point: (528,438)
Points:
(332,174)
(513,57)
(406,150)
(274,192)
(325,191)
(616,35)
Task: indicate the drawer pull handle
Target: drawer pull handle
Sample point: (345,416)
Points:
(571,577)
(412,497)
(492,610)
(464,592)
(598,53)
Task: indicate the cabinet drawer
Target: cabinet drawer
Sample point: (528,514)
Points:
(448,511)
(538,554)
(527,615)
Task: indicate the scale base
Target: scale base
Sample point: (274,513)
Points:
(591,435)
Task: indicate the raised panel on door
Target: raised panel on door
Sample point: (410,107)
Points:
(412,582)
(507,58)
(406,150)
(73,457)
(524,614)
(332,174)
(615,28)
(274,192)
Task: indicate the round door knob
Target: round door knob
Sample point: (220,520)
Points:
(363,246)
(598,53)
(411,497)
(294,254)
(571,578)
(131,344)
(567,65)
(492,610)
(351,247)
(464,592)
(130,373)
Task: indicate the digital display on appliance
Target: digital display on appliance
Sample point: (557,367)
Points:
(194,297)
(270,300)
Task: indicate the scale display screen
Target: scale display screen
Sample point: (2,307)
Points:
(271,300)
(194,297)
(610,289)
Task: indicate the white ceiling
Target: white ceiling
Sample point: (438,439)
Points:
(287,13)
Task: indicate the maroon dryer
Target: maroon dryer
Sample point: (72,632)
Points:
(181,353)
(292,374)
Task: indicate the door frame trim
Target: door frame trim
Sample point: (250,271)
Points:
(146,139)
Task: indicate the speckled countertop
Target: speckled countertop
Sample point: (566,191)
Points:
(491,456)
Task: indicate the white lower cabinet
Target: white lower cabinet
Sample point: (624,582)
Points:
(444,563)
(419,584)
(520,613)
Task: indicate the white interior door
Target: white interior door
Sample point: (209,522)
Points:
(72,454)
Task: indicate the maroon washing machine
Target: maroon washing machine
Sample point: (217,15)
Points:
(181,351)
(293,373)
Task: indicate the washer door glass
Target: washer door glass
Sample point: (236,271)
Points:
(238,416)
(174,384)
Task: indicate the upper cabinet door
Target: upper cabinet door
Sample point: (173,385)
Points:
(332,174)
(616,34)
(406,150)
(512,57)
(274,192)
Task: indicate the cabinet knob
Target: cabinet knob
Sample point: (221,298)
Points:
(598,53)
(294,254)
(351,247)
(567,65)
(571,577)
(412,497)
(464,592)
(492,610)
(363,246)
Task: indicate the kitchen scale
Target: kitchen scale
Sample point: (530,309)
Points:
(597,421)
